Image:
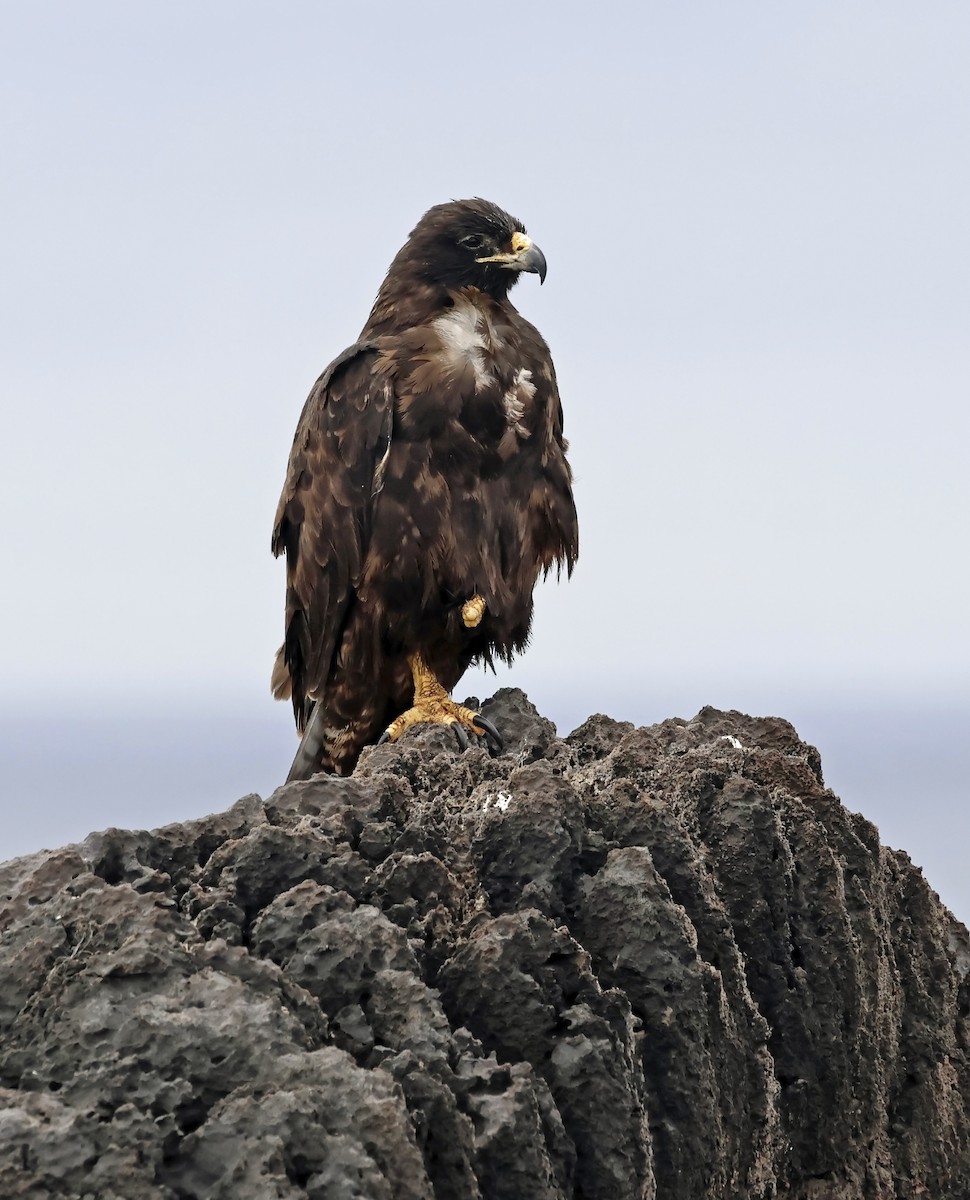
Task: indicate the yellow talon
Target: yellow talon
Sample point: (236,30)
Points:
(472,611)
(433,705)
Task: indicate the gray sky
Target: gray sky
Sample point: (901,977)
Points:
(758,300)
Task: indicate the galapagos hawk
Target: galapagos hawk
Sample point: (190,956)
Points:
(427,489)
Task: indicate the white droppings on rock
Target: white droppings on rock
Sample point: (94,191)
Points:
(501,800)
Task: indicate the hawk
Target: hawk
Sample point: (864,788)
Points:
(426,492)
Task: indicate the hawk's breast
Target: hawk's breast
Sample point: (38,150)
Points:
(472,347)
(462,331)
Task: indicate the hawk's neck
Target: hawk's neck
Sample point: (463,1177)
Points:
(402,305)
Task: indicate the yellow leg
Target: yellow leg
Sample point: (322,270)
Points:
(433,705)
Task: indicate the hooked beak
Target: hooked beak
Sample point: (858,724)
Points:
(525,255)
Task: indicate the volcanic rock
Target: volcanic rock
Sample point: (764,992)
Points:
(649,963)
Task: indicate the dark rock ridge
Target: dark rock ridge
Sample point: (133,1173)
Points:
(660,962)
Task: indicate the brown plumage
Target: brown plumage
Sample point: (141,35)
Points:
(428,468)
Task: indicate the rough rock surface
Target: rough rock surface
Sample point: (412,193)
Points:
(660,962)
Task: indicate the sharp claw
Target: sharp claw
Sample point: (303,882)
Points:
(492,735)
(479,724)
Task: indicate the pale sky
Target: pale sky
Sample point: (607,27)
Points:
(755,218)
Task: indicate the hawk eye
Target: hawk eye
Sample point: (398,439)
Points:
(472,241)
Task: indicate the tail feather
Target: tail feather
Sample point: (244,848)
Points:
(309,755)
(281,682)
(328,747)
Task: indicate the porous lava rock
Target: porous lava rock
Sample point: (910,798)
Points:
(661,962)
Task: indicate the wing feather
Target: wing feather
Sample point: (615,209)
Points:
(324,517)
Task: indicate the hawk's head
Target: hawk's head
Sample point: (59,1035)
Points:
(470,243)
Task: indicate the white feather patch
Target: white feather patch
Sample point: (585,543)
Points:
(521,391)
(463,340)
